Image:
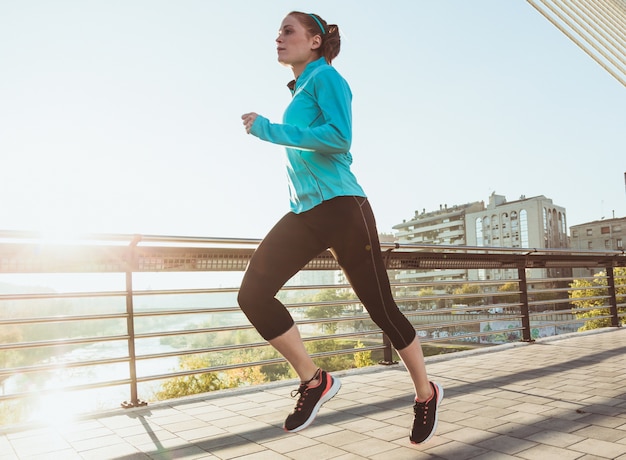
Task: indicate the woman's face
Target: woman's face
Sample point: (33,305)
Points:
(295,47)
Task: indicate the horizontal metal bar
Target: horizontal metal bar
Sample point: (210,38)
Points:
(64,365)
(61,342)
(252,364)
(57,295)
(65,389)
(61,319)
(35,258)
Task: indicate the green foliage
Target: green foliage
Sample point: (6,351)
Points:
(244,376)
(12,412)
(544,296)
(343,361)
(208,381)
(509,298)
(426,304)
(591,295)
(10,358)
(190,384)
(328,310)
(362,358)
(471,289)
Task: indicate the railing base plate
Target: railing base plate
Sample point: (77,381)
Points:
(130,405)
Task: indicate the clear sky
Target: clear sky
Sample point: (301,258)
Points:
(124,115)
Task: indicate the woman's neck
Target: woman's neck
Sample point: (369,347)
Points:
(297,69)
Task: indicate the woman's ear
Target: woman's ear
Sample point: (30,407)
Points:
(317,42)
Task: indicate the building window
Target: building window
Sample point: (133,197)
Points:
(590,232)
(479,232)
(617,228)
(589,245)
(605,230)
(620,244)
(523,223)
(514,230)
(607,244)
(574,233)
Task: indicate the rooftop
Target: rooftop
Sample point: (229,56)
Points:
(561,397)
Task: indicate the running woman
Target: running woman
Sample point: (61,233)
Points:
(329,210)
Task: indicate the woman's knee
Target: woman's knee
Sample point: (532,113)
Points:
(395,325)
(249,293)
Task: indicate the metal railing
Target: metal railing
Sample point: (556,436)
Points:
(127,338)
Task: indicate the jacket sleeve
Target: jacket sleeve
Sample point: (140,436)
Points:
(333,135)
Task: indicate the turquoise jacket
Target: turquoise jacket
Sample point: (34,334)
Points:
(317,134)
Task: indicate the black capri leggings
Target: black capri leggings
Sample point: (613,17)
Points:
(346,226)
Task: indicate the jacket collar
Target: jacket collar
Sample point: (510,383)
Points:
(310,67)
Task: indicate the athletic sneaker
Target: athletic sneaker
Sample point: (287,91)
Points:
(310,400)
(426,416)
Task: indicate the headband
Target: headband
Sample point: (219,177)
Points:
(319,23)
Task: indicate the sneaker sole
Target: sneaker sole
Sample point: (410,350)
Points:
(439,398)
(332,391)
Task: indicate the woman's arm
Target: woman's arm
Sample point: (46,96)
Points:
(333,135)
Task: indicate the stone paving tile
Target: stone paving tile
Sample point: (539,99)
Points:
(368,447)
(122,450)
(555,438)
(319,451)
(544,452)
(500,403)
(600,448)
(455,450)
(267,455)
(286,445)
(602,433)
(185,453)
(48,443)
(506,444)
(402,453)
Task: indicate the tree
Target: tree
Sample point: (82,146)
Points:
(471,289)
(9,358)
(328,310)
(190,384)
(427,304)
(363,358)
(592,294)
(209,381)
(509,287)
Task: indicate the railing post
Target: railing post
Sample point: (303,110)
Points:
(387,353)
(523,286)
(612,297)
(388,350)
(130,327)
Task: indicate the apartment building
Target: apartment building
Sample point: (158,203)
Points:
(599,235)
(445,226)
(524,223)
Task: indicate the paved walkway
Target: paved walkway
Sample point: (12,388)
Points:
(555,399)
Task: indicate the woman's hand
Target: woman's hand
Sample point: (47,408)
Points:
(248,120)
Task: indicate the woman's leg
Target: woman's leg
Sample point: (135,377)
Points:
(357,249)
(290,345)
(413,359)
(283,252)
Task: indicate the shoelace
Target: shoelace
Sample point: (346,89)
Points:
(302,391)
(421,411)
